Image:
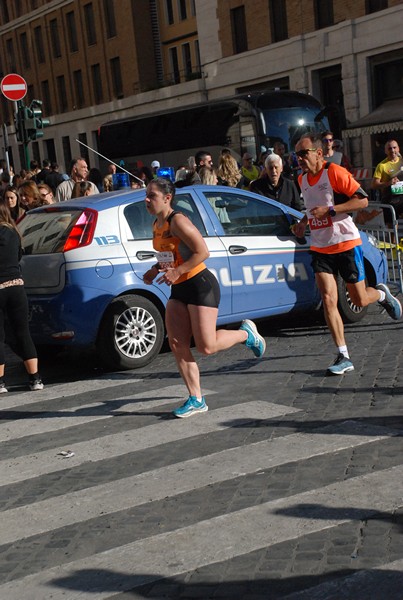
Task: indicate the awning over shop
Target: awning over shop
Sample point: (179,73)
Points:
(387,117)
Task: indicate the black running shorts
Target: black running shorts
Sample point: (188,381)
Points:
(201,290)
(349,264)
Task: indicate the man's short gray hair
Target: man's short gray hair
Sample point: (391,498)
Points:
(273,158)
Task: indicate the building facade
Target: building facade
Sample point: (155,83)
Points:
(92,62)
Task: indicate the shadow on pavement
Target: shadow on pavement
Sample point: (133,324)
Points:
(342,584)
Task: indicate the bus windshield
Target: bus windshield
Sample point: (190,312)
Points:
(287,125)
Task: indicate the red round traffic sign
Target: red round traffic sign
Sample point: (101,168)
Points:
(14,87)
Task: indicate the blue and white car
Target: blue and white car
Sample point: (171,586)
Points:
(84,261)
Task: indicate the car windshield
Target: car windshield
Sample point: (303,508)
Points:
(46,232)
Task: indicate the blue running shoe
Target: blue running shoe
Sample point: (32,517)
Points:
(341,365)
(254,341)
(390,304)
(191,407)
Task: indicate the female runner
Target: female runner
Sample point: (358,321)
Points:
(195,293)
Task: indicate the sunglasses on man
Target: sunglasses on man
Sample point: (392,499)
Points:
(304,153)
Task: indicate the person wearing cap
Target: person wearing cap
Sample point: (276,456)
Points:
(249,171)
(155,165)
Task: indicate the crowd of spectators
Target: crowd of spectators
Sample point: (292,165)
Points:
(274,174)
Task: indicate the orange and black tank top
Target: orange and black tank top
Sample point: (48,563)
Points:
(171,251)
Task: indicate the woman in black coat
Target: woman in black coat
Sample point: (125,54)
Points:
(14,303)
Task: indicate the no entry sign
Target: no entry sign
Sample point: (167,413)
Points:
(13,87)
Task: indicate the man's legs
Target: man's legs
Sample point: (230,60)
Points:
(362,296)
(327,285)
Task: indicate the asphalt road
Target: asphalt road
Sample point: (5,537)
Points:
(290,486)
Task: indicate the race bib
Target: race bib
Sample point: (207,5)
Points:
(397,188)
(320,223)
(166,260)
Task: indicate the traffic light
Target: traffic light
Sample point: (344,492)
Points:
(19,122)
(34,123)
(29,123)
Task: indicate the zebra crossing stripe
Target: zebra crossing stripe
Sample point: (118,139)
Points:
(40,463)
(179,478)
(234,534)
(81,414)
(52,421)
(64,390)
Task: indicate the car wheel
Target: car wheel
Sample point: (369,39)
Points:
(350,313)
(131,334)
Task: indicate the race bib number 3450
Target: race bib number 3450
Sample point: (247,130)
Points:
(320,223)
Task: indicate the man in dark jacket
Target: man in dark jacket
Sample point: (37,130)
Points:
(273,185)
(53,177)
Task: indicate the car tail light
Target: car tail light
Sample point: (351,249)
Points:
(82,232)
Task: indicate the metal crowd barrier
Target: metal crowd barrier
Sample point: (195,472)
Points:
(380,221)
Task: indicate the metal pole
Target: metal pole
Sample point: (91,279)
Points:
(26,155)
(111,161)
(6,144)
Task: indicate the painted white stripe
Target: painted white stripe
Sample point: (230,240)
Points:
(362,584)
(11,87)
(176,479)
(189,548)
(54,421)
(49,422)
(73,388)
(34,465)
(90,263)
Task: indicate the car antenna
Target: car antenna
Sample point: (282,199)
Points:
(113,163)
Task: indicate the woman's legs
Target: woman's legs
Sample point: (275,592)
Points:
(17,311)
(2,339)
(183,321)
(207,338)
(178,324)
(31,366)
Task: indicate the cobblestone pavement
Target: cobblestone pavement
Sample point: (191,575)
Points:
(291,486)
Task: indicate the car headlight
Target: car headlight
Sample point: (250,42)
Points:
(373,240)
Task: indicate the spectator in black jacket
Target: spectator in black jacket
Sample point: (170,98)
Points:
(273,185)
(14,303)
(53,177)
(41,176)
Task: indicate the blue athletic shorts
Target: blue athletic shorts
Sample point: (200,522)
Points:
(349,264)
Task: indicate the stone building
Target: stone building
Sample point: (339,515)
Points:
(94,61)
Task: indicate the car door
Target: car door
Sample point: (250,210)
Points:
(136,227)
(268,271)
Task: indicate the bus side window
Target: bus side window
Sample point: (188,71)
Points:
(248,136)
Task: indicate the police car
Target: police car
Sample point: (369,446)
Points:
(84,262)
